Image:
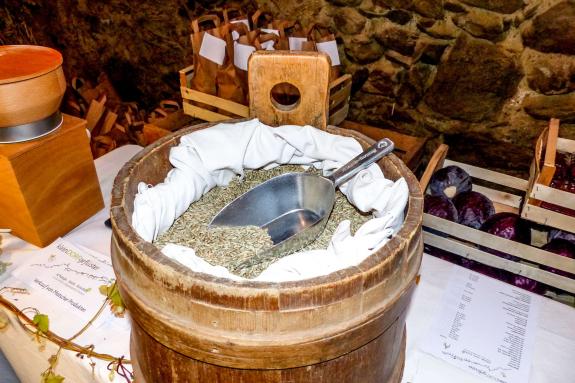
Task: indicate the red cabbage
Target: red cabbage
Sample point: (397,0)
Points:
(509,226)
(449,182)
(440,206)
(473,208)
(556,233)
(527,284)
(562,247)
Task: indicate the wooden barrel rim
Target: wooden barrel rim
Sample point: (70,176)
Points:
(121,221)
(342,310)
(33,61)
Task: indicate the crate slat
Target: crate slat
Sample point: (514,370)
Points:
(340,90)
(485,258)
(559,197)
(491,176)
(519,250)
(204,114)
(341,95)
(336,118)
(540,178)
(565,145)
(548,217)
(475,244)
(218,102)
(511,200)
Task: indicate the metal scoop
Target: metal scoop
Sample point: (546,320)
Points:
(294,207)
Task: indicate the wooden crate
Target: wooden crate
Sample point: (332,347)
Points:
(49,185)
(540,178)
(340,91)
(469,242)
(408,148)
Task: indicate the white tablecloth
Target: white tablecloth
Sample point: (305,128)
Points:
(552,358)
(111,334)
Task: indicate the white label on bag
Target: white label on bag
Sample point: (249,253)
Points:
(329,47)
(236,35)
(296,42)
(274,31)
(269,45)
(242,54)
(213,48)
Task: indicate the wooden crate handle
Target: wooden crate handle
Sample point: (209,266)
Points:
(435,163)
(228,11)
(552,136)
(307,71)
(202,19)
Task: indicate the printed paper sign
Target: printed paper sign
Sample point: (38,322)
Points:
(65,279)
(242,54)
(295,43)
(485,327)
(213,48)
(329,47)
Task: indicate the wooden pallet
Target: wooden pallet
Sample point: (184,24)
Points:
(408,148)
(540,179)
(469,242)
(339,93)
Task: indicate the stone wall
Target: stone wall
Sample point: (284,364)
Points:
(483,76)
(480,75)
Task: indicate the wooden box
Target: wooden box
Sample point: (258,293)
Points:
(339,89)
(506,193)
(539,191)
(49,185)
(408,148)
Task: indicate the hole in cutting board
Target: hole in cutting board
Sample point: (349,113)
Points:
(285,96)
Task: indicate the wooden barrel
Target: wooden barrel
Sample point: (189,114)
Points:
(348,326)
(32,84)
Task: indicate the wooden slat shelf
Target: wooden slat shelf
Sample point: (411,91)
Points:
(479,246)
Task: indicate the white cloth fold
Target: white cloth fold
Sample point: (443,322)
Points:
(214,156)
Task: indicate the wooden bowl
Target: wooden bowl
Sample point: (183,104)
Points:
(32,84)
(347,326)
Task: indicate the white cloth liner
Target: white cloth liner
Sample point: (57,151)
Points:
(213,157)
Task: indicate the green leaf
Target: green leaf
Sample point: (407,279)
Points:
(42,322)
(50,377)
(113,293)
(115,297)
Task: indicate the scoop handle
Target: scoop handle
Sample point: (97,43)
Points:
(362,161)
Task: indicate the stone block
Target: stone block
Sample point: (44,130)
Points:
(503,6)
(473,80)
(553,30)
(362,49)
(349,21)
(393,36)
(481,23)
(558,106)
(549,73)
(429,8)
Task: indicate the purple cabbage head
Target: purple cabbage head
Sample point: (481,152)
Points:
(527,284)
(449,182)
(562,247)
(440,206)
(556,233)
(509,226)
(473,208)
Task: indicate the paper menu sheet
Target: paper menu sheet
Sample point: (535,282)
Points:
(63,282)
(485,327)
